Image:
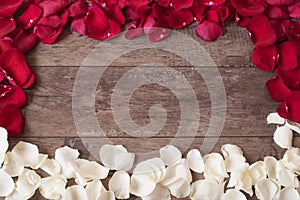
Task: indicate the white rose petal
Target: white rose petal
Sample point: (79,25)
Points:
(229,150)
(291,159)
(141,185)
(75,192)
(270,165)
(51,166)
(3,144)
(16,196)
(26,153)
(293,125)
(288,194)
(274,118)
(65,155)
(195,161)
(28,182)
(257,171)
(170,155)
(39,162)
(233,194)
(53,187)
(7,184)
(11,166)
(120,184)
(283,137)
(235,163)
(107,196)
(116,157)
(180,188)
(206,190)
(154,168)
(214,167)
(287,178)
(160,192)
(241,180)
(266,189)
(93,170)
(94,189)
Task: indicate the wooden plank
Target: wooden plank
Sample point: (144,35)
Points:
(50,104)
(232,49)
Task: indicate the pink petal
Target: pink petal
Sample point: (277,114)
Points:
(9,7)
(290,108)
(276,12)
(95,21)
(78,9)
(280,2)
(287,56)
(181,18)
(180,4)
(277,89)
(248,7)
(209,30)
(159,34)
(261,32)
(7,25)
(51,7)
(133,30)
(25,41)
(295,10)
(78,26)
(212,2)
(30,17)
(265,57)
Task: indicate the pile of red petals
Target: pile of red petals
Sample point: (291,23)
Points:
(273,26)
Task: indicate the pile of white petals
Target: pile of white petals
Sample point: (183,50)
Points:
(227,176)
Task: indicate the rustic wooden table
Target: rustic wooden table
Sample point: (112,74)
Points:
(49,119)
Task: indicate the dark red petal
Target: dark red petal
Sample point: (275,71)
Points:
(276,12)
(265,57)
(181,18)
(209,30)
(51,7)
(261,32)
(163,3)
(14,63)
(280,2)
(113,12)
(281,28)
(295,10)
(290,108)
(136,4)
(180,4)
(113,30)
(241,20)
(277,89)
(133,30)
(159,34)
(78,9)
(95,21)
(287,56)
(11,119)
(30,81)
(16,97)
(30,17)
(78,26)
(53,21)
(5,44)
(64,18)
(198,10)
(212,15)
(7,25)
(294,32)
(9,7)
(212,2)
(47,34)
(25,41)
(248,7)
(290,78)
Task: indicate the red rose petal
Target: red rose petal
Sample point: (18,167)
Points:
(281,28)
(180,4)
(181,18)
(265,57)
(294,32)
(113,12)
(163,3)
(47,34)
(287,56)
(198,9)
(276,12)
(159,34)
(136,4)
(261,32)
(9,7)
(25,41)
(5,44)
(212,15)
(53,21)
(277,89)
(30,81)
(16,96)
(295,10)
(78,26)
(11,119)
(280,2)
(247,7)
(241,20)
(291,78)
(133,30)
(7,25)
(95,21)
(113,30)
(209,30)
(51,7)
(30,17)
(78,9)
(212,2)
(290,108)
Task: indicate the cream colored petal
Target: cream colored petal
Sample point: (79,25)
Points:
(75,192)
(141,185)
(120,184)
(195,161)
(94,189)
(266,189)
(154,168)
(11,166)
(160,192)
(3,144)
(257,171)
(107,196)
(241,180)
(233,194)
(65,155)
(231,150)
(287,178)
(288,194)
(93,170)
(180,188)
(28,182)
(274,118)
(40,161)
(16,196)
(235,163)
(283,137)
(170,155)
(270,165)
(51,167)
(116,157)
(293,125)
(26,153)
(206,190)
(53,187)
(214,167)
(291,159)
(6,184)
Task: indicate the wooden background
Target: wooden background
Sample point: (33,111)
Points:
(50,124)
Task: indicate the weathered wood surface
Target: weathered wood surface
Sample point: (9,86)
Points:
(49,117)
